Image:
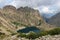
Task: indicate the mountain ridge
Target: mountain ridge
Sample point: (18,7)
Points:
(12,19)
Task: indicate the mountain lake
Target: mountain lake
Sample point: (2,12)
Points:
(28,29)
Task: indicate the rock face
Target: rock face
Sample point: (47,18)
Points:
(29,16)
(48,37)
(55,20)
(25,16)
(12,18)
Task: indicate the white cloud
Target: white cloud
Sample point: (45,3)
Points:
(44,6)
(30,3)
(45,10)
(50,6)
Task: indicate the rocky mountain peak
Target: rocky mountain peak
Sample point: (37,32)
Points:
(9,7)
(25,9)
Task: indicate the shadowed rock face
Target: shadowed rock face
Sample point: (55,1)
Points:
(9,7)
(29,16)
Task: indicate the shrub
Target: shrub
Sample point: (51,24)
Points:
(13,34)
(55,31)
(40,22)
(2,33)
(32,35)
(22,35)
(16,23)
(43,33)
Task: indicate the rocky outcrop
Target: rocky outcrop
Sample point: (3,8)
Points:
(47,37)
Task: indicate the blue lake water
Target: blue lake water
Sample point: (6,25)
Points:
(28,29)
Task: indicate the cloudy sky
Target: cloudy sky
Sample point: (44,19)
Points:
(44,6)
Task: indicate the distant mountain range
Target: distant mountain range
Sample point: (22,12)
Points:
(55,20)
(48,15)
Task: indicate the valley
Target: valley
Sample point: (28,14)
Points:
(22,22)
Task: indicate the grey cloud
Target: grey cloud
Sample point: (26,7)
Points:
(35,3)
(31,3)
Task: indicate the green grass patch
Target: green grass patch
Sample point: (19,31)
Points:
(32,35)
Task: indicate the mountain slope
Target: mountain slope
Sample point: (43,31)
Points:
(55,20)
